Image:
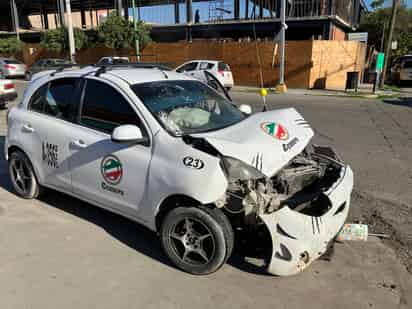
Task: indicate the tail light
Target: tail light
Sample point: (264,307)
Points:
(221,73)
(9,66)
(9,86)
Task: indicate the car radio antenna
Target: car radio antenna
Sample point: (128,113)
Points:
(263,91)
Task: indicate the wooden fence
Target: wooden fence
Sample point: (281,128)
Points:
(309,64)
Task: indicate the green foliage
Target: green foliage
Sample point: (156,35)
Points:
(377,4)
(10,46)
(57,39)
(375,21)
(117,33)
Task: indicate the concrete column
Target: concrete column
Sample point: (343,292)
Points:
(246,9)
(45,17)
(82,14)
(120,7)
(189,12)
(61,12)
(15,18)
(177,12)
(236,8)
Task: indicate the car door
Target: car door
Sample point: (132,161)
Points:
(112,174)
(52,109)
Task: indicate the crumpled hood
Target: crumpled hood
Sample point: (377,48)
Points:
(266,140)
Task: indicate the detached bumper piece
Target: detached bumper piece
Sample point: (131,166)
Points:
(298,238)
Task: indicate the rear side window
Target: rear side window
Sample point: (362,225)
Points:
(206,66)
(191,66)
(55,98)
(104,108)
(59,98)
(38,98)
(223,67)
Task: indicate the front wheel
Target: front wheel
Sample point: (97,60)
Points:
(195,239)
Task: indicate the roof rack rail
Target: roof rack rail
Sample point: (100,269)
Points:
(68,66)
(103,68)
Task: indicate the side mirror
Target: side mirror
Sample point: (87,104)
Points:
(128,134)
(245,109)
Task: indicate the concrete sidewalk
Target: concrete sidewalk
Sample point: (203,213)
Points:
(364,91)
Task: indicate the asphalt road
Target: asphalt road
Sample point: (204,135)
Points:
(58,252)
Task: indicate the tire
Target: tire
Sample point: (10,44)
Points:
(22,176)
(198,240)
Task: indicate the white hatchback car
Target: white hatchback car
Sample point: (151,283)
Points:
(169,152)
(220,70)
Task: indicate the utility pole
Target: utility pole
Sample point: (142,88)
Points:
(137,47)
(70,31)
(281,87)
(389,41)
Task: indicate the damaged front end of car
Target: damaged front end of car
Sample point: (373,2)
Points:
(302,207)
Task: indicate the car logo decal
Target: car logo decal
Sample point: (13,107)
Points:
(275,130)
(112,170)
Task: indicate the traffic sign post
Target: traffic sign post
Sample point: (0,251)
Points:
(380,61)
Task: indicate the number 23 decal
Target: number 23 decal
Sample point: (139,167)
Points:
(193,163)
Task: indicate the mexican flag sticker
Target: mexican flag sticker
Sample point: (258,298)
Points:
(112,170)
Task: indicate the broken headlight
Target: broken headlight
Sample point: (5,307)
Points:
(238,170)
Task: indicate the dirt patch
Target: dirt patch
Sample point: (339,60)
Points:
(386,217)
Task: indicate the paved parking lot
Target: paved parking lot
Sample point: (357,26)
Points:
(58,252)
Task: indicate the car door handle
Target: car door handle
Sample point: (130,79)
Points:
(78,144)
(28,128)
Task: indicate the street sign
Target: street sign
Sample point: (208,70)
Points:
(380,60)
(394,45)
(358,36)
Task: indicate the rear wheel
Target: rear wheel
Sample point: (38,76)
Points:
(22,176)
(196,239)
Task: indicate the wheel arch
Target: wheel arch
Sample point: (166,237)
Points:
(172,202)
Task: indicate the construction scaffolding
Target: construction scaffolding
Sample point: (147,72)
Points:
(220,10)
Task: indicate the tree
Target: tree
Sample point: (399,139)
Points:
(118,33)
(57,39)
(377,21)
(10,46)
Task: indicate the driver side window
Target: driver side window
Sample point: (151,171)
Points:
(104,108)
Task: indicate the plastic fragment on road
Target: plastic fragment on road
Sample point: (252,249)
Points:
(351,231)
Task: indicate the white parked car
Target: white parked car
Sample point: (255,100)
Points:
(10,67)
(7,92)
(113,60)
(401,71)
(169,152)
(220,70)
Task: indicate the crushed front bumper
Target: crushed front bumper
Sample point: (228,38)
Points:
(299,239)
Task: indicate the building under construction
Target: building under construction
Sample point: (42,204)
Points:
(221,19)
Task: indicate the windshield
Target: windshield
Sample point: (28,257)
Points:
(187,106)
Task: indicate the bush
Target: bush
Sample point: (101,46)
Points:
(57,39)
(10,46)
(118,33)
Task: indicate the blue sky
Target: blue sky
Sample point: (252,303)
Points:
(165,14)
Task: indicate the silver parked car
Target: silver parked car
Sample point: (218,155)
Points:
(12,68)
